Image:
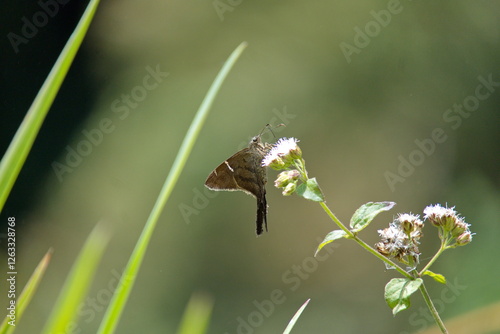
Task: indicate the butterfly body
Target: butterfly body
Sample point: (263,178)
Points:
(243,171)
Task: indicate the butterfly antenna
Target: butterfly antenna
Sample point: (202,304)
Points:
(270,128)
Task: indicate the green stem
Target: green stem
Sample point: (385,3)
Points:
(432,309)
(444,245)
(300,164)
(336,220)
(362,243)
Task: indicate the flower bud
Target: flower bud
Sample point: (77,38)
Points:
(293,174)
(289,189)
(382,249)
(459,228)
(286,177)
(464,238)
(409,222)
(449,222)
(282,180)
(440,217)
(276,163)
(296,153)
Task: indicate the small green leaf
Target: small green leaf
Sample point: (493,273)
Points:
(27,293)
(398,292)
(310,190)
(367,212)
(437,277)
(296,317)
(73,292)
(196,317)
(332,236)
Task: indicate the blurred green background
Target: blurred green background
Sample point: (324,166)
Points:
(360,84)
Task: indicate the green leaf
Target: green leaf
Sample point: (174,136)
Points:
(78,282)
(18,150)
(119,299)
(437,277)
(197,314)
(28,291)
(310,190)
(398,292)
(367,212)
(332,236)
(296,317)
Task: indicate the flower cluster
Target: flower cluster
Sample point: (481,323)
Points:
(283,154)
(451,226)
(400,240)
(286,155)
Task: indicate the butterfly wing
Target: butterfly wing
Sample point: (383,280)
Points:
(224,176)
(243,171)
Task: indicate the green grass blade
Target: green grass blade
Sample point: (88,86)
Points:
(21,144)
(197,315)
(117,304)
(78,282)
(27,293)
(296,317)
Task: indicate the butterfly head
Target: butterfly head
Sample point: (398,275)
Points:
(255,141)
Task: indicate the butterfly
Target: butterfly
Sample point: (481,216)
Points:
(244,171)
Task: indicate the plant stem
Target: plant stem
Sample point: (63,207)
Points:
(335,219)
(432,309)
(300,164)
(362,243)
(434,258)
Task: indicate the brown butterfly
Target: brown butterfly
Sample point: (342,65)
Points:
(243,171)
